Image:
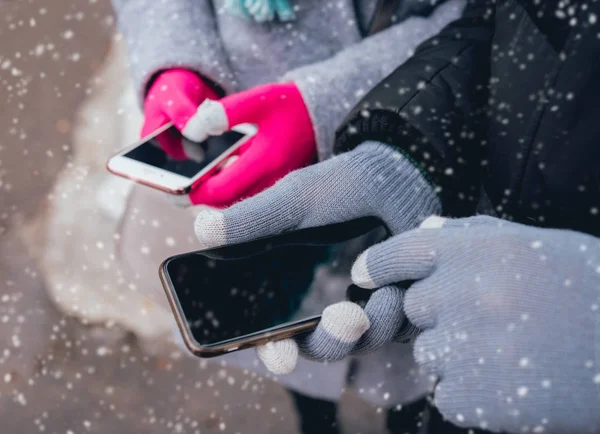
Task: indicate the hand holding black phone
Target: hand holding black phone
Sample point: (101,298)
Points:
(243,296)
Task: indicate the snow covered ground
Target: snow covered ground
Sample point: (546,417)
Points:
(81,348)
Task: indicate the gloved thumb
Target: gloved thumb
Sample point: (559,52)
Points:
(210,119)
(280,357)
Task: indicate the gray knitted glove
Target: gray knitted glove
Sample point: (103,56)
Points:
(510,317)
(373,180)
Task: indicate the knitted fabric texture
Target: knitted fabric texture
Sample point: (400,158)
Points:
(509,317)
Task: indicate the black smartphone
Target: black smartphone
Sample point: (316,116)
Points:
(242,296)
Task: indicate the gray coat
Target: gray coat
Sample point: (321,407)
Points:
(323,52)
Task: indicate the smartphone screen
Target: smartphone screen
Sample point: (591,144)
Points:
(151,152)
(227,298)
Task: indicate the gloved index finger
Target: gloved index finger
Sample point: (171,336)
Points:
(405,257)
(277,210)
(272,212)
(308,198)
(322,235)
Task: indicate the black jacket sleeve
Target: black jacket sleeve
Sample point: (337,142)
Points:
(430,108)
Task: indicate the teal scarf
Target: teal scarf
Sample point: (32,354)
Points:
(261,10)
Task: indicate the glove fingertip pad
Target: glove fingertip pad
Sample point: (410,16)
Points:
(279,357)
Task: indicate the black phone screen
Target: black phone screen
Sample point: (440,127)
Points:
(152,151)
(227,298)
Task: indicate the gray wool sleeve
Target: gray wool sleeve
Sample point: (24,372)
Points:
(163,34)
(332,87)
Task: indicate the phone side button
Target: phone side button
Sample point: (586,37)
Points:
(232,349)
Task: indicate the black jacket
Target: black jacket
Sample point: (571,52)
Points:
(506,99)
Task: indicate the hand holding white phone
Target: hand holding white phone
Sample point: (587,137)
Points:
(186,164)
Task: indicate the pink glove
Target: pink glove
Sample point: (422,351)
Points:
(285,141)
(174,96)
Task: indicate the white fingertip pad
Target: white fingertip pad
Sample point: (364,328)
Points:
(279,357)
(345,321)
(433,222)
(210,228)
(210,120)
(360,273)
(193,151)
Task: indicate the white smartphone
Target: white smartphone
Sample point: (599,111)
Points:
(187,164)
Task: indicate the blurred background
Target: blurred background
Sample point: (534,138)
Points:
(82,349)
